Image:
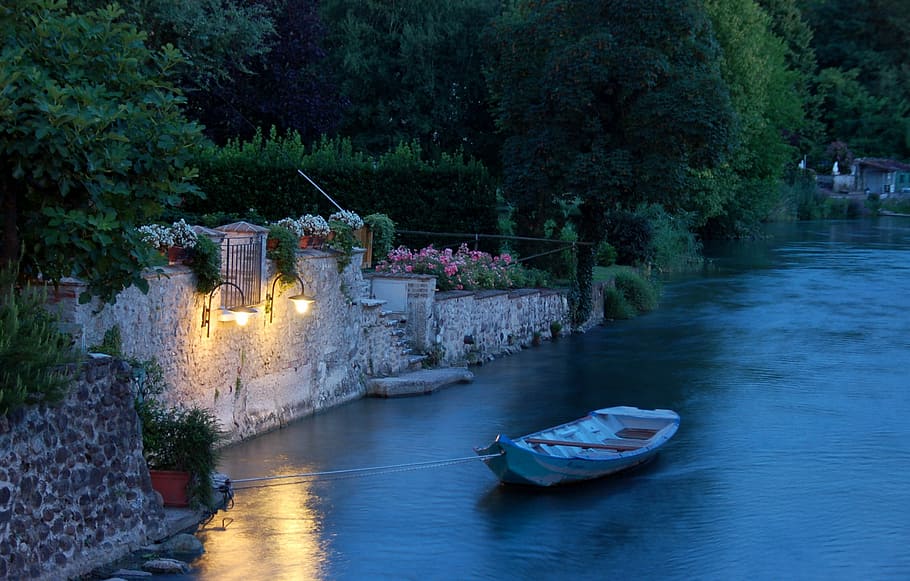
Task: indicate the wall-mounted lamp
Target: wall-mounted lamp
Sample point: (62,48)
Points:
(301,302)
(241,315)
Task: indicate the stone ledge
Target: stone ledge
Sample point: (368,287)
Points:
(418,382)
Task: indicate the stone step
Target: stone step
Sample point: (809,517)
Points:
(418,382)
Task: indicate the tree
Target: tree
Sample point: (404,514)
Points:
(611,103)
(215,37)
(287,88)
(93,144)
(789,24)
(607,103)
(766,96)
(864,81)
(412,70)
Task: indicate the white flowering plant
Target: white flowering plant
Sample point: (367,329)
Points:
(183,234)
(163,237)
(351,219)
(157,236)
(290,224)
(313,225)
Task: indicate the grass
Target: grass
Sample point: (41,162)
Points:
(631,294)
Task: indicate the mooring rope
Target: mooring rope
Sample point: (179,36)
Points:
(353,472)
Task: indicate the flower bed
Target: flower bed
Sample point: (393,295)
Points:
(462,270)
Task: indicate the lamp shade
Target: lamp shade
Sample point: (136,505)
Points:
(242,314)
(301,302)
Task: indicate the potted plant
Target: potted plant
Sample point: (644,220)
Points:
(283,251)
(179,444)
(382,235)
(343,224)
(314,230)
(174,241)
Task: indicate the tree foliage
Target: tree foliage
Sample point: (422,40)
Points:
(215,37)
(864,81)
(412,70)
(93,144)
(766,96)
(288,87)
(33,353)
(610,103)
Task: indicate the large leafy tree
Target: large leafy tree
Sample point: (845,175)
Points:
(412,70)
(768,100)
(287,88)
(789,24)
(864,81)
(609,104)
(92,143)
(215,37)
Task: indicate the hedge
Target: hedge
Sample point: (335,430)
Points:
(451,194)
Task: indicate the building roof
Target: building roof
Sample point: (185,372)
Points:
(882,164)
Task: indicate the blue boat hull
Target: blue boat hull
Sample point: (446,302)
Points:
(516,463)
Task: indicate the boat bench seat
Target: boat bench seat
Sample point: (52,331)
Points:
(615,445)
(637,433)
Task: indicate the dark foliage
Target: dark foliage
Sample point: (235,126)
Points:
(632,237)
(449,195)
(288,87)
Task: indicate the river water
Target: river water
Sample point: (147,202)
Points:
(788,362)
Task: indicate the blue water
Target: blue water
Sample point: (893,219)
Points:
(788,361)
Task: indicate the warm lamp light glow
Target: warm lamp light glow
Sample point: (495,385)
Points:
(239,314)
(301,303)
(242,315)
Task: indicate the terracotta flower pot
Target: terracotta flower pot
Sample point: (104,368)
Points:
(176,254)
(171,485)
(311,241)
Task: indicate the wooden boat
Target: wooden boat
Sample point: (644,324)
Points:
(603,442)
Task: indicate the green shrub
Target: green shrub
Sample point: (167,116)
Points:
(285,252)
(616,306)
(111,344)
(451,194)
(34,354)
(675,247)
(638,292)
(383,229)
(604,254)
(206,264)
(632,237)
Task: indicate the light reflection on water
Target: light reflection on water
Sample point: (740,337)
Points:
(788,364)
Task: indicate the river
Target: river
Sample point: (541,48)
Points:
(788,362)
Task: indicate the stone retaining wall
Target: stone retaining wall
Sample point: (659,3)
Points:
(472,326)
(283,366)
(279,367)
(74,488)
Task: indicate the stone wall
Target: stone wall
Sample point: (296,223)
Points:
(74,488)
(283,366)
(471,326)
(279,367)
(474,326)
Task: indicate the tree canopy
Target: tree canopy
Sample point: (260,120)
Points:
(412,70)
(864,78)
(93,143)
(289,87)
(766,95)
(612,104)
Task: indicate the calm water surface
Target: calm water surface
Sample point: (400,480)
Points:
(788,362)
